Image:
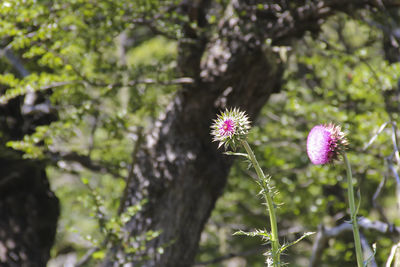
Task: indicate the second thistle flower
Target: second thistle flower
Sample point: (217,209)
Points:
(230,127)
(324,143)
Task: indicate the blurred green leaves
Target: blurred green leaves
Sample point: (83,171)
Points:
(339,77)
(105,67)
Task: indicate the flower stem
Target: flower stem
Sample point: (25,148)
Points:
(271,206)
(353,212)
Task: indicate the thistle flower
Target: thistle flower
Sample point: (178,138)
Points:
(230,127)
(324,143)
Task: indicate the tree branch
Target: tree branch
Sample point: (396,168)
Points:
(397,179)
(324,234)
(392,254)
(84,161)
(367,251)
(14,61)
(87,257)
(281,24)
(178,81)
(375,197)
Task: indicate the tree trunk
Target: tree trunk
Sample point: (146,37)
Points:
(29,213)
(28,208)
(179,170)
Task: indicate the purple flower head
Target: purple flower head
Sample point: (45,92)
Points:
(324,143)
(230,127)
(227,128)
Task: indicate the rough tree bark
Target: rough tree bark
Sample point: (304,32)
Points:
(28,208)
(179,170)
(29,213)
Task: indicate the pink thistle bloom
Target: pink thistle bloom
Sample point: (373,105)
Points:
(230,127)
(227,128)
(324,143)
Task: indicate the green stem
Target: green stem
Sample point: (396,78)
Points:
(271,206)
(353,211)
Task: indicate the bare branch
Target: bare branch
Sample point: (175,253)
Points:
(84,161)
(95,123)
(392,254)
(30,97)
(14,61)
(324,234)
(182,80)
(87,257)
(375,197)
(367,251)
(28,106)
(397,178)
(375,135)
(395,142)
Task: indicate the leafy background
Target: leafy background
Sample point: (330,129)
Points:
(110,91)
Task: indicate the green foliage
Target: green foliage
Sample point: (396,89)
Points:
(268,193)
(105,90)
(326,81)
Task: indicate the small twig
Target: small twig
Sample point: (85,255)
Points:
(321,241)
(29,102)
(368,253)
(397,178)
(87,257)
(83,160)
(395,142)
(14,60)
(182,80)
(92,133)
(392,254)
(375,135)
(375,197)
(177,81)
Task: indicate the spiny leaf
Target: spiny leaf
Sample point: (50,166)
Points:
(296,241)
(231,153)
(262,233)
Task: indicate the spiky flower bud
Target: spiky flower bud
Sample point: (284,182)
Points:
(230,127)
(324,143)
